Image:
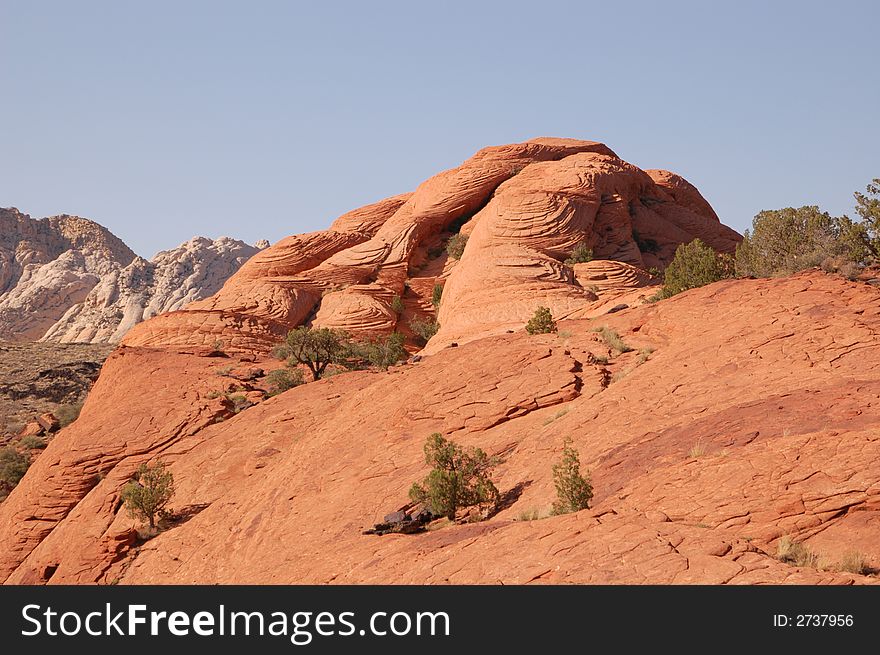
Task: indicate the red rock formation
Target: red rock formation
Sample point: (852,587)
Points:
(742,413)
(747,422)
(525,207)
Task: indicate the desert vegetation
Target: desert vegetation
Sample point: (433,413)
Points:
(612,339)
(868,209)
(397,305)
(785,241)
(282,379)
(797,553)
(695,265)
(381,351)
(238,402)
(32,442)
(13,466)
(148,493)
(573,489)
(581,254)
(319,348)
(315,348)
(67,414)
(854,561)
(531,514)
(424,328)
(455,246)
(458,478)
(541,322)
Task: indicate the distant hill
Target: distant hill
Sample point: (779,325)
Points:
(68,279)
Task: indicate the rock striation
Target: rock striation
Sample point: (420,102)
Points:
(749,420)
(739,414)
(524,207)
(67,279)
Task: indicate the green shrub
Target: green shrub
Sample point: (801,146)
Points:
(580,255)
(13,466)
(868,208)
(455,245)
(67,414)
(32,442)
(458,478)
(573,490)
(397,305)
(695,265)
(381,352)
(282,379)
(316,348)
(613,339)
(436,295)
(541,322)
(784,241)
(424,328)
(148,493)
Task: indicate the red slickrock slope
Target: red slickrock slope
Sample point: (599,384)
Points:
(746,411)
(754,417)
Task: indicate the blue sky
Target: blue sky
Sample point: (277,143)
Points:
(164,120)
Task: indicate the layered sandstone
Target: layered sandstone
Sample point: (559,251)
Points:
(748,421)
(525,207)
(742,414)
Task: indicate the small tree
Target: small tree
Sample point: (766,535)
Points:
(542,322)
(455,245)
(695,265)
(580,255)
(458,478)
(436,295)
(315,348)
(868,207)
(573,490)
(784,241)
(148,493)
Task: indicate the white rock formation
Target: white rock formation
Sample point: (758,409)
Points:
(68,279)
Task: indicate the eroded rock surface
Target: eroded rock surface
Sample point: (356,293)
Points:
(745,411)
(67,279)
(524,208)
(750,419)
